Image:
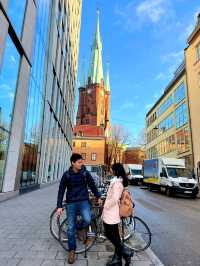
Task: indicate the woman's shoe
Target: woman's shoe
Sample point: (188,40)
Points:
(116,261)
(127,254)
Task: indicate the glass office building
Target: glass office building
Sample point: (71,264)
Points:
(168,130)
(38,69)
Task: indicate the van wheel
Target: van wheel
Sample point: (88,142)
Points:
(168,192)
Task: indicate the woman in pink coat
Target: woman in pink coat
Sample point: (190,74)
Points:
(111,217)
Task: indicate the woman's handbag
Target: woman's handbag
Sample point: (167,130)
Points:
(126,204)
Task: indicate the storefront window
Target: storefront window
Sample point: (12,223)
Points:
(8,84)
(183,140)
(17,7)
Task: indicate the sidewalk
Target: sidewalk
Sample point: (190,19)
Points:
(25,239)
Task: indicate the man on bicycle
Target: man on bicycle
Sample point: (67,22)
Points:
(76,180)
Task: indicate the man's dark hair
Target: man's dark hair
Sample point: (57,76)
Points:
(75,157)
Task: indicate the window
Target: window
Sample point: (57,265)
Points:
(83,155)
(16,14)
(83,144)
(93,156)
(183,140)
(35,104)
(80,133)
(180,93)
(165,105)
(8,84)
(74,144)
(181,115)
(166,124)
(198,51)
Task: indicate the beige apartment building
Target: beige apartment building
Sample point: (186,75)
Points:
(168,131)
(192,58)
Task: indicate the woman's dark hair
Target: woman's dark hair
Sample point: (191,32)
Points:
(75,157)
(119,171)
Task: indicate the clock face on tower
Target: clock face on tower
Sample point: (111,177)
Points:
(89,91)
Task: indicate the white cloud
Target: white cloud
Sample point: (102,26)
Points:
(148,106)
(152,10)
(173,56)
(173,59)
(4,87)
(160,76)
(191,25)
(132,16)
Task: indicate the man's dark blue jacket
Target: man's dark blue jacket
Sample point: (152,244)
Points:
(77,186)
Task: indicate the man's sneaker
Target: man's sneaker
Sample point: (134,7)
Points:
(71,257)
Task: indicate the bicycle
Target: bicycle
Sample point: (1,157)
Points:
(55,223)
(133,230)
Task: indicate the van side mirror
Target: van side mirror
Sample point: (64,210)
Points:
(161,174)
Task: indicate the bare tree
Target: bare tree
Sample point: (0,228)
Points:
(120,138)
(140,139)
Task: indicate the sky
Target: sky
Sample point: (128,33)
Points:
(144,41)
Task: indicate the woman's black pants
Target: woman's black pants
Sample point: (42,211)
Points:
(112,233)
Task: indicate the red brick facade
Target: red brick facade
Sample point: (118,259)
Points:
(134,156)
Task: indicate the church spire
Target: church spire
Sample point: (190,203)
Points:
(96,66)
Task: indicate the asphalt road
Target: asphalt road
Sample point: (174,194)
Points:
(175,225)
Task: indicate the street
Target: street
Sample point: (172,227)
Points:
(25,239)
(174,223)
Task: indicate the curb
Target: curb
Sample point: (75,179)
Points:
(153,257)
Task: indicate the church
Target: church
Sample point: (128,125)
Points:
(92,127)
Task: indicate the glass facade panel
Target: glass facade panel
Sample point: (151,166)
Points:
(180,93)
(181,115)
(164,106)
(16,11)
(166,124)
(35,98)
(8,83)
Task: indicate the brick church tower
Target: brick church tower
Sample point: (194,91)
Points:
(93,116)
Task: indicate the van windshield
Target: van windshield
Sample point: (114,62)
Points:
(179,172)
(136,172)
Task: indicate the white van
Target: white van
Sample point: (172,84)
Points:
(134,172)
(170,175)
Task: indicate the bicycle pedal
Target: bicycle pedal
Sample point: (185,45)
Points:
(91,234)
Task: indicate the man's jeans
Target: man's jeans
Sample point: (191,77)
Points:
(83,209)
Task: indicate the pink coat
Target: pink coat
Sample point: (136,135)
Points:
(110,213)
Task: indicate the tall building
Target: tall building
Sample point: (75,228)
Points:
(94,94)
(38,68)
(93,116)
(192,58)
(168,129)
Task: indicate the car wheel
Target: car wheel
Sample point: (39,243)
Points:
(169,192)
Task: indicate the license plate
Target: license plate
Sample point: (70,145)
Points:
(188,192)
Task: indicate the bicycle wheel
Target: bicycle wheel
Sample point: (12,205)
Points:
(126,228)
(80,245)
(140,238)
(54,223)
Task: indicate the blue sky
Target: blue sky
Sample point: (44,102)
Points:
(144,41)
